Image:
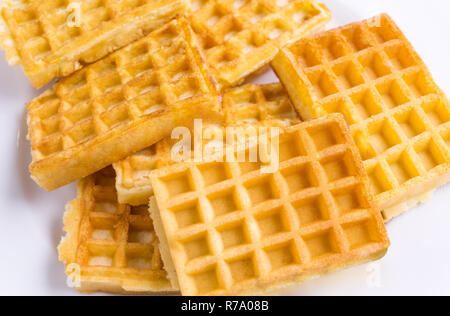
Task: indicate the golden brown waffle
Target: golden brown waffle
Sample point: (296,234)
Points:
(399,118)
(266,105)
(110,247)
(45,37)
(246,105)
(120,105)
(232,229)
(239,37)
(133,173)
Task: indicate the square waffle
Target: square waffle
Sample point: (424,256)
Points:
(398,116)
(246,105)
(39,34)
(233,230)
(110,247)
(120,105)
(239,37)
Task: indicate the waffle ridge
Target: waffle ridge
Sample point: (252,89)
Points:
(244,232)
(255,105)
(398,116)
(252,104)
(37,34)
(110,247)
(120,105)
(239,37)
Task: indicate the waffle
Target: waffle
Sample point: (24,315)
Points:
(266,105)
(233,230)
(39,34)
(246,105)
(120,105)
(239,37)
(398,116)
(110,247)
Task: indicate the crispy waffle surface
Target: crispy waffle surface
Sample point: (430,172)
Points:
(233,230)
(398,116)
(240,37)
(110,247)
(120,105)
(248,105)
(52,38)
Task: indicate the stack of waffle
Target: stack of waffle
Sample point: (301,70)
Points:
(362,134)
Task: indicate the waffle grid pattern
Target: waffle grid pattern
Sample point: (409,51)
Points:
(39,37)
(266,105)
(246,105)
(110,246)
(241,36)
(398,117)
(158,80)
(233,230)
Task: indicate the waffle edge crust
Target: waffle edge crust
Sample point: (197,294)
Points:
(110,247)
(233,230)
(36,33)
(398,116)
(120,105)
(247,105)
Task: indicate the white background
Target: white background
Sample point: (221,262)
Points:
(31,219)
